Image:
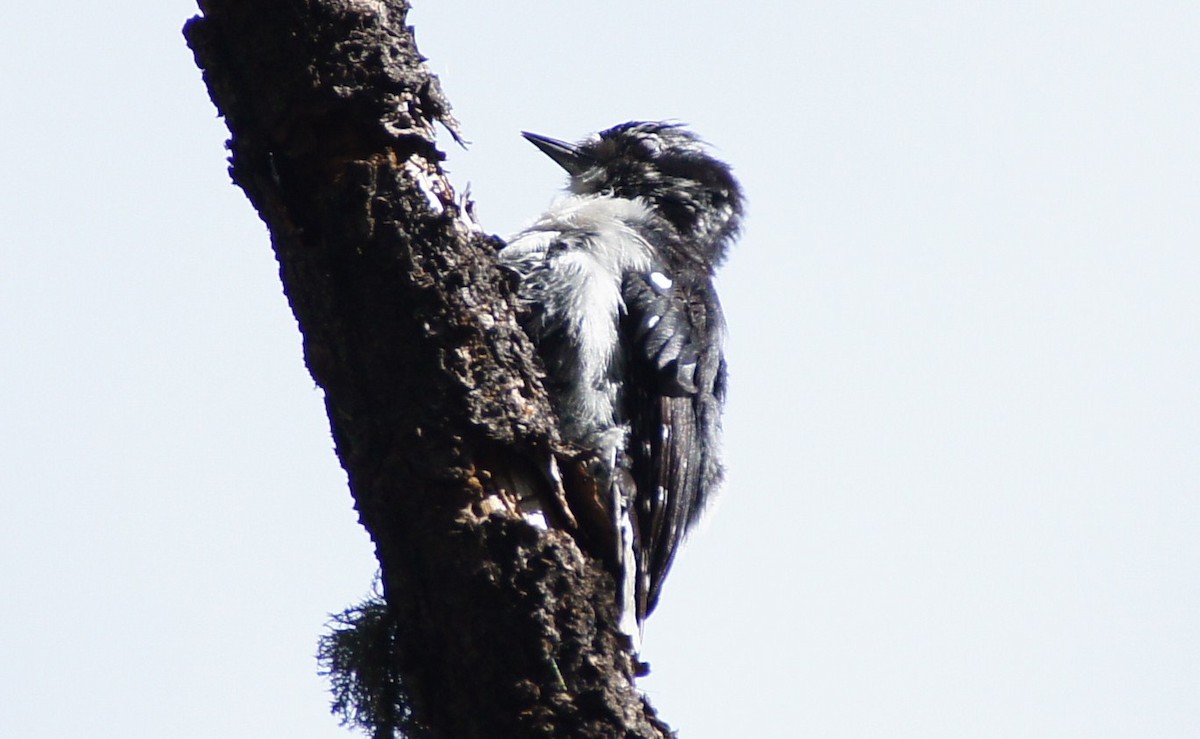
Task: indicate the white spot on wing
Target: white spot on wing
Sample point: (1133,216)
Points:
(661,281)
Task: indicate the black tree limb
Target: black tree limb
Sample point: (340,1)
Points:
(439,418)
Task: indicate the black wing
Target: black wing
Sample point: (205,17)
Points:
(674,393)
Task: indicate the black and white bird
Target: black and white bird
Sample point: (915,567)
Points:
(616,291)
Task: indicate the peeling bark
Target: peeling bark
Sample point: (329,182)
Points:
(433,395)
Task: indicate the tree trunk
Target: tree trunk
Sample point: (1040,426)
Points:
(434,399)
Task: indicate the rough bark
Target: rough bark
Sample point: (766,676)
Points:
(433,396)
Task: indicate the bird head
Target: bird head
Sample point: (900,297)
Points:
(666,166)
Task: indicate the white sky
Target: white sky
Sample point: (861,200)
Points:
(964,434)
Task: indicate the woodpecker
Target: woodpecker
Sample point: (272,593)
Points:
(615,290)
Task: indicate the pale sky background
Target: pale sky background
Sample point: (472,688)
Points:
(964,428)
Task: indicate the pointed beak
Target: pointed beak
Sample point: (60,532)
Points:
(568,156)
